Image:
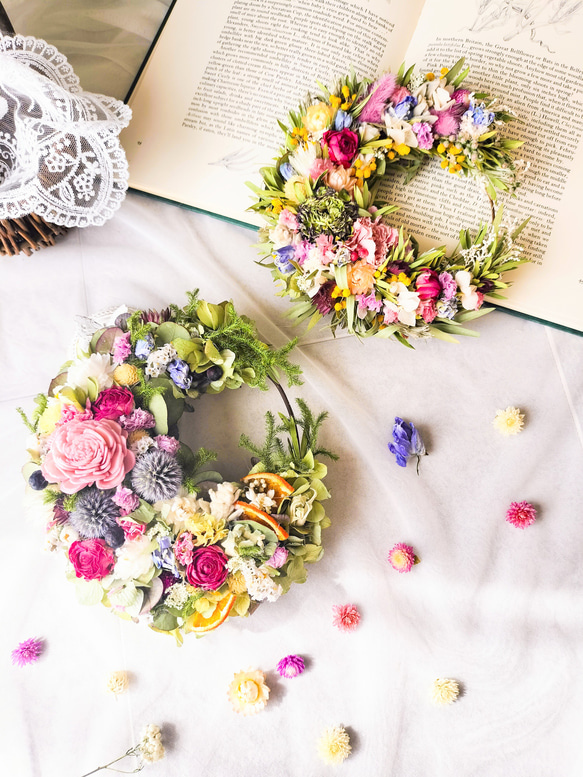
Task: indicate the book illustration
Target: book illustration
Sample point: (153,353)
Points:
(243,160)
(526,16)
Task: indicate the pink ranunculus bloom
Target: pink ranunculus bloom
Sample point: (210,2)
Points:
(183,548)
(288,219)
(428,285)
(448,120)
(132,530)
(113,403)
(361,242)
(86,452)
(208,569)
(427,310)
(126,500)
(342,146)
(319,167)
(91,559)
(399,94)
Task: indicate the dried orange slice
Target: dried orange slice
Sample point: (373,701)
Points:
(255,514)
(280,487)
(200,625)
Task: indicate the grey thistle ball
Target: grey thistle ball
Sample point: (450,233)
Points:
(94,514)
(156,476)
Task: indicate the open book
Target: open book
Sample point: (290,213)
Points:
(221,74)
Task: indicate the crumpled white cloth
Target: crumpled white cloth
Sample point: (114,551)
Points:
(60,155)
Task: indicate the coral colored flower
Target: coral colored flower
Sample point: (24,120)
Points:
(402,557)
(360,277)
(444,691)
(342,146)
(28,652)
(113,403)
(339,178)
(91,559)
(334,745)
(86,452)
(208,568)
(509,421)
(248,692)
(291,666)
(346,616)
(521,514)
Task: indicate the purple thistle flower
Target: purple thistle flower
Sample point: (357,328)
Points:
(291,666)
(407,443)
(28,652)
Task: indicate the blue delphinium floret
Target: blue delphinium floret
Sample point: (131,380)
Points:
(407,443)
(144,348)
(282,257)
(179,371)
(342,121)
(164,557)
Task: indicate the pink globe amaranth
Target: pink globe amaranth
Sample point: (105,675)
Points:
(113,403)
(428,285)
(342,146)
(208,568)
(84,453)
(91,559)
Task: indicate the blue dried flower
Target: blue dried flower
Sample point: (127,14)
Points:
(144,348)
(342,121)
(164,557)
(95,513)
(404,109)
(282,257)
(407,443)
(179,371)
(156,476)
(286,171)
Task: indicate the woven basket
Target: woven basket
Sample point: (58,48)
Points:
(28,233)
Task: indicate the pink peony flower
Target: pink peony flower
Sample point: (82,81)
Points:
(132,530)
(126,500)
(113,403)
(91,559)
(346,617)
(428,285)
(86,452)
(208,569)
(28,652)
(427,310)
(122,348)
(448,120)
(169,444)
(342,146)
(380,93)
(402,557)
(521,514)
(183,548)
(291,666)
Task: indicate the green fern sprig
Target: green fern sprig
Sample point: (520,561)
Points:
(137,328)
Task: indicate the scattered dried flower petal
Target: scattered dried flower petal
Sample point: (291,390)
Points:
(28,652)
(509,421)
(248,692)
(334,745)
(346,616)
(521,514)
(291,666)
(117,682)
(401,557)
(444,691)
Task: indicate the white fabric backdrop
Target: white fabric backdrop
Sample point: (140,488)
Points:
(490,605)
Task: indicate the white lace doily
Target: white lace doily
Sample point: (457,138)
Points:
(60,156)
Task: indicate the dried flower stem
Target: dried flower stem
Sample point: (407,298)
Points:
(133,751)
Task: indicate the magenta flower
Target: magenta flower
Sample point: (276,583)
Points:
(291,666)
(380,92)
(28,652)
(521,514)
(401,557)
(208,568)
(346,617)
(448,120)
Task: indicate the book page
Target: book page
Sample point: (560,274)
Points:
(527,52)
(222,73)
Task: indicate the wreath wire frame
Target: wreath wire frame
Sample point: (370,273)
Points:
(326,243)
(147,529)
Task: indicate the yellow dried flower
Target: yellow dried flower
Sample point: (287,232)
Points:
(334,745)
(248,692)
(236,583)
(444,691)
(126,375)
(509,421)
(117,682)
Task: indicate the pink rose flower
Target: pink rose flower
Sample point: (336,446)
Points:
(208,568)
(113,403)
(428,285)
(342,146)
(91,559)
(86,452)
(132,530)
(427,310)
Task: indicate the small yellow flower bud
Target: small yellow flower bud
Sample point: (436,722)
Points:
(346,292)
(444,71)
(430,76)
(126,375)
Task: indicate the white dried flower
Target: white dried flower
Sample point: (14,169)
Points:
(334,745)
(151,747)
(117,682)
(223,499)
(177,596)
(260,585)
(99,367)
(444,691)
